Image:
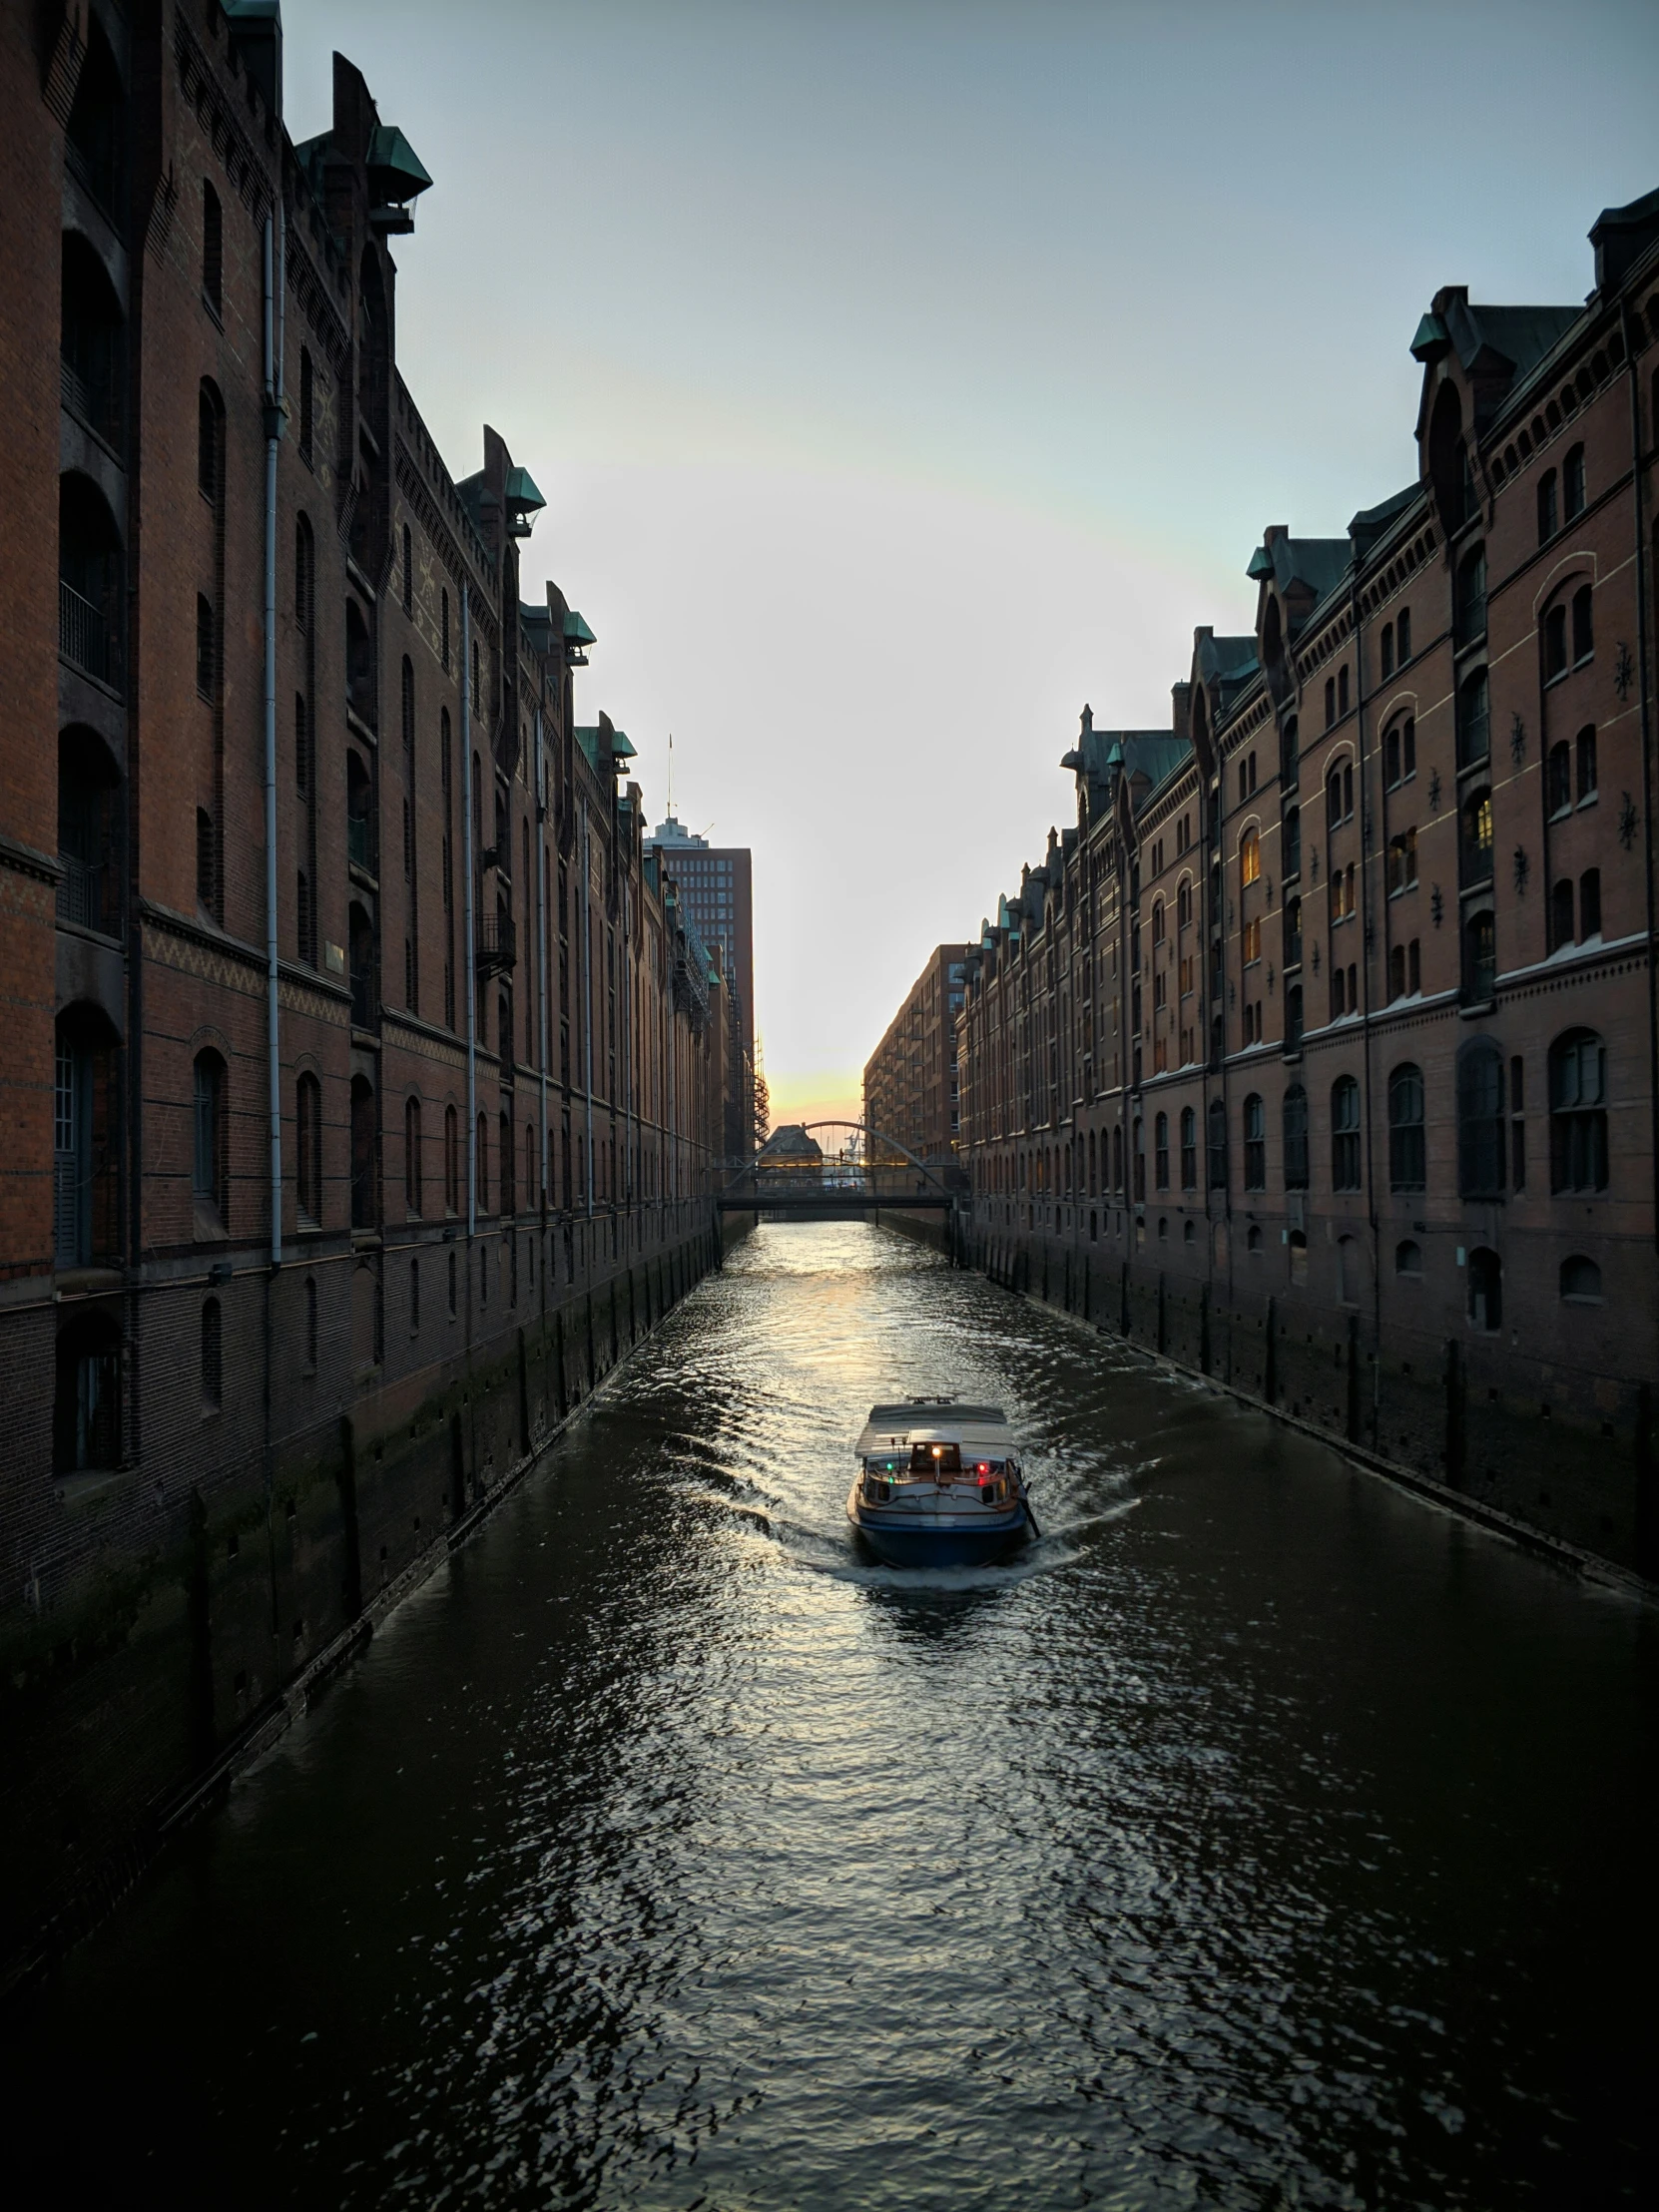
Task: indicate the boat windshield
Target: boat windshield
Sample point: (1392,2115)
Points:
(936,1458)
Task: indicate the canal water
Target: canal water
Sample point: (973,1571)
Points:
(1260,1836)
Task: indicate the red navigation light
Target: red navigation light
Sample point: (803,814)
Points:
(984,1467)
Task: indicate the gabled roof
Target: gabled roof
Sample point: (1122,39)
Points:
(1372,523)
(1314,563)
(1102,756)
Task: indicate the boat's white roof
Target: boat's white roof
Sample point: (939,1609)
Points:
(927,1420)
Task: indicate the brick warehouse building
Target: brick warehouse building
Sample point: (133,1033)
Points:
(1321,1053)
(910,1078)
(457,1025)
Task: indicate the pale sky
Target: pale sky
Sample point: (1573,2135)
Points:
(900,377)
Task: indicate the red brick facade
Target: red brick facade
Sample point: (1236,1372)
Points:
(1321,1051)
(911,1093)
(215,1452)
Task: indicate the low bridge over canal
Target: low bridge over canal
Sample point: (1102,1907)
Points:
(884,1175)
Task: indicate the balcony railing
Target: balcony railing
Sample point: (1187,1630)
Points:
(497,945)
(85,637)
(1474,866)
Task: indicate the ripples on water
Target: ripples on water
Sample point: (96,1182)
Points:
(1260,1836)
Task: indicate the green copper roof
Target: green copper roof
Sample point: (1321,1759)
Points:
(1261,564)
(395,166)
(521,490)
(621,749)
(577,631)
(1431,338)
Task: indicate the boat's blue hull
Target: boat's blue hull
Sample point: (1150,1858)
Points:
(942,1547)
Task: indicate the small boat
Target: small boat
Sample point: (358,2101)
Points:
(938,1484)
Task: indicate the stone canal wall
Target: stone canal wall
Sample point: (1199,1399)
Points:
(197,1632)
(1538,1443)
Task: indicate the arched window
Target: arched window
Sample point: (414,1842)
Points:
(1584,625)
(359,666)
(1218,1145)
(1472,596)
(1334,799)
(1480,1119)
(1589,904)
(1475,848)
(1485,1290)
(1581,1282)
(1189,1149)
(304,576)
(1407,1159)
(213,1354)
(1586,763)
(452,1160)
(364,1180)
(1291,841)
(1296,1138)
(509,1159)
(307,1114)
(1549,518)
(1345,1134)
(1329,701)
(209,1156)
(1480,959)
(1342,690)
(1408,1257)
(91,594)
(213,249)
(1555,641)
(412,1155)
(1250,856)
(86,1407)
(206,444)
(1255,1144)
(1578,1112)
(1160,1152)
(361,953)
(1158,932)
(1572,482)
(1473,723)
(89,811)
(1400,751)
(1253,1240)
(1558,779)
(205,657)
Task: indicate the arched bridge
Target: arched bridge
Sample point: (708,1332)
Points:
(779,1184)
